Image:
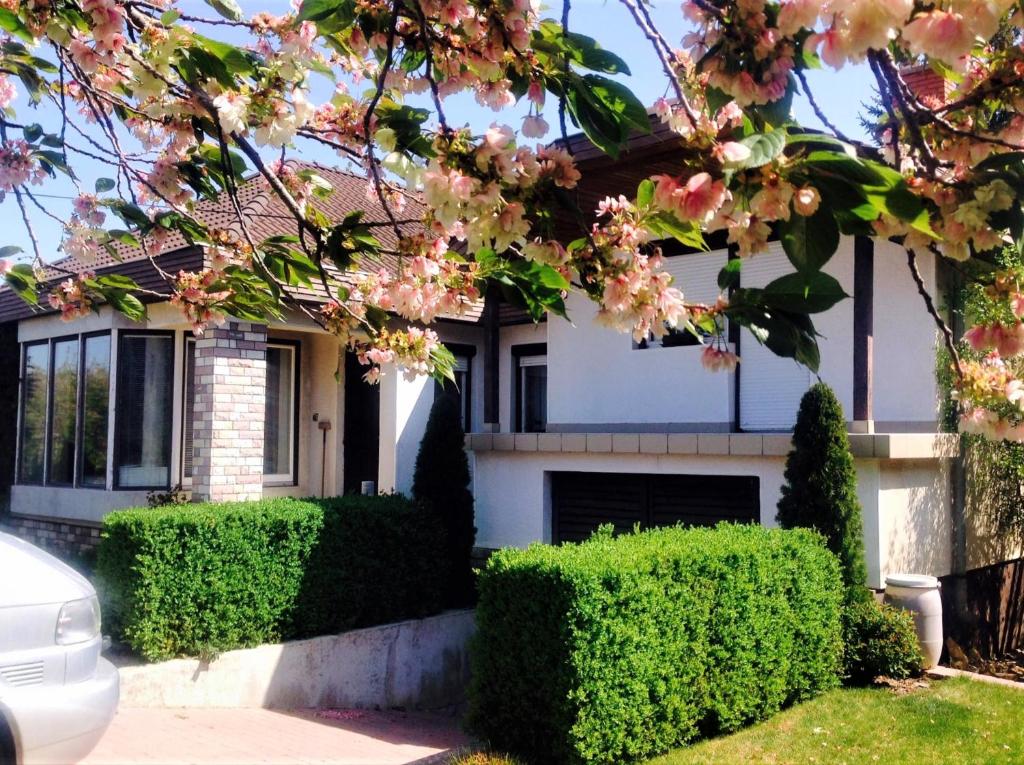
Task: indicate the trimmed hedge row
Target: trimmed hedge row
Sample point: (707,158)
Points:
(619,648)
(194,580)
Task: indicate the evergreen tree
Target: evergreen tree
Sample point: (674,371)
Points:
(820,490)
(441,482)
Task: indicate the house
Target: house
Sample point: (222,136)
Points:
(570,425)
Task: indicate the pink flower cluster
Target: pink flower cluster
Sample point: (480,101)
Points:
(428,283)
(17,166)
(71,297)
(198,296)
(411,349)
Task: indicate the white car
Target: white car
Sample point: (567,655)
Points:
(57,694)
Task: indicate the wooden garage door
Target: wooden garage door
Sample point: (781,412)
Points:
(581,502)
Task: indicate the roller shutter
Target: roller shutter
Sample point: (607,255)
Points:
(583,501)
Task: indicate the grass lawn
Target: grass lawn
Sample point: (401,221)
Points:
(955,721)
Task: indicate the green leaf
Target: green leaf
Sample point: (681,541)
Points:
(227,8)
(9,22)
(316,10)
(729,276)
(169,17)
(804,293)
(664,225)
(619,99)
(117,281)
(587,52)
(645,193)
(764,147)
(779,112)
(125,303)
(104,184)
(810,242)
(10,250)
(22,279)
(32,132)
(845,167)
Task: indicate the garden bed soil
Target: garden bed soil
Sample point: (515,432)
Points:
(1009,666)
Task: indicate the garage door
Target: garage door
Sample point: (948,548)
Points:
(581,502)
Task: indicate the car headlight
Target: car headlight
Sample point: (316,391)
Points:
(78,621)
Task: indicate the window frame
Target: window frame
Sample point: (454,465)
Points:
(51,381)
(21,414)
(284,479)
(276,479)
(80,412)
(518,353)
(467,352)
(119,398)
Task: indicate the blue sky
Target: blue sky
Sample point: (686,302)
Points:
(840,94)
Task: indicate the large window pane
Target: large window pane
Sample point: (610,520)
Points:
(144,398)
(95,410)
(33,412)
(63,412)
(279,422)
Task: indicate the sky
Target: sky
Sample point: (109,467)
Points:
(840,94)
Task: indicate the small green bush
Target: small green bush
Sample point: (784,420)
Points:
(879,640)
(820,489)
(195,580)
(619,648)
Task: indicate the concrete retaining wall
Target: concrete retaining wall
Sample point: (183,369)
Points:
(419,664)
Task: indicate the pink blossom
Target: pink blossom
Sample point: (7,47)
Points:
(940,35)
(717,360)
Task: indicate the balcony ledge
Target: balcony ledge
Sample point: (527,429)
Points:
(889,446)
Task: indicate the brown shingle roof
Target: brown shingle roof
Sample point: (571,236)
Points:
(265,215)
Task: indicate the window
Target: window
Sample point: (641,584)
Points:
(145,386)
(280,412)
(95,409)
(463,386)
(34,384)
(280,415)
(63,412)
(530,397)
(64,407)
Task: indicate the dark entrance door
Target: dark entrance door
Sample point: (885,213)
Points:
(362,426)
(581,502)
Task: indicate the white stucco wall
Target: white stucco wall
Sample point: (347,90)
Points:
(596,377)
(405,408)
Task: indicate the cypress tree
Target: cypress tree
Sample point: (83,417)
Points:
(820,489)
(441,482)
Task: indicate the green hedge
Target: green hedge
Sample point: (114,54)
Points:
(617,649)
(195,580)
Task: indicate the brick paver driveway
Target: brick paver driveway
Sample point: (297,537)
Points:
(243,736)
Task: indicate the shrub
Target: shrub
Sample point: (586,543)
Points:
(618,648)
(879,640)
(441,481)
(379,559)
(820,489)
(195,580)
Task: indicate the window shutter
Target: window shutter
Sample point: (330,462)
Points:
(697,274)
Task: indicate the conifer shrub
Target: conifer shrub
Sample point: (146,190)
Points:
(820,489)
(441,483)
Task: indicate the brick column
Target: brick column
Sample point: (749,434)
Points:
(230,399)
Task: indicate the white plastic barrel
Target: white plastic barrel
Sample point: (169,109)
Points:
(919,594)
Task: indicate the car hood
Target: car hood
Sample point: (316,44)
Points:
(30,576)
